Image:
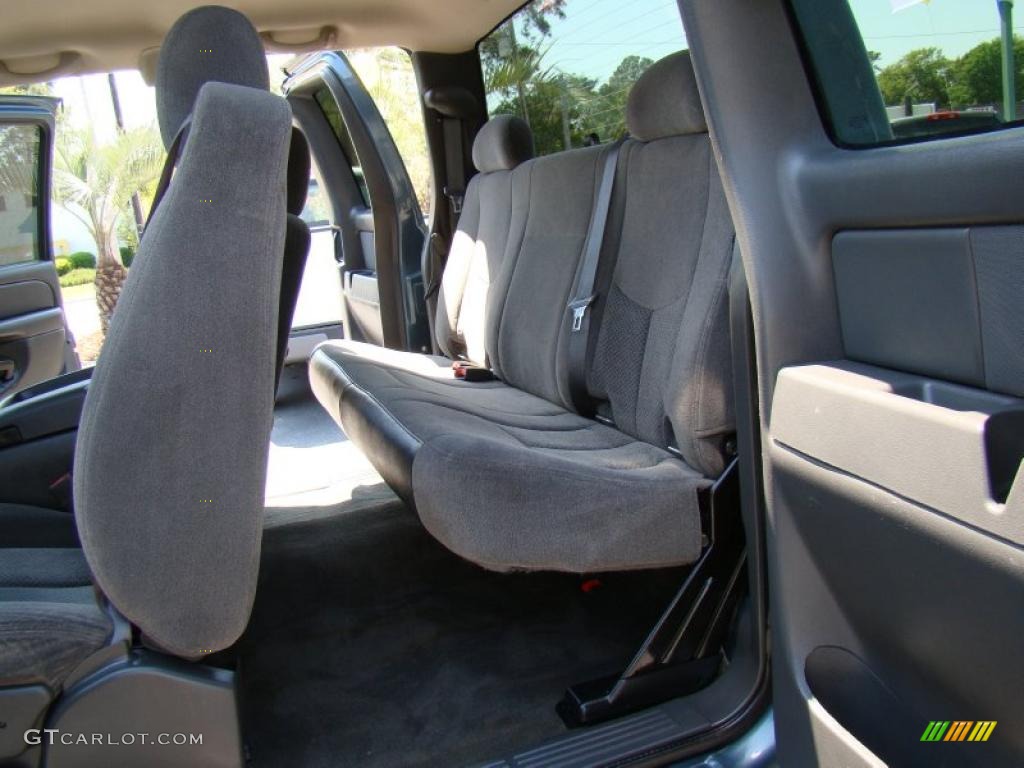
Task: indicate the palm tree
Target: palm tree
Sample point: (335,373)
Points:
(96,183)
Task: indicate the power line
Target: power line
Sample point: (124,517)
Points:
(935,34)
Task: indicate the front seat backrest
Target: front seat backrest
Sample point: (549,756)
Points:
(217,44)
(171,456)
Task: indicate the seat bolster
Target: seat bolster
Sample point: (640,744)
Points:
(509,507)
(384,440)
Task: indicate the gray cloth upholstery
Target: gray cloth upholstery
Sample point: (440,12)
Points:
(207,44)
(664,101)
(480,244)
(503,472)
(22,525)
(552,200)
(171,457)
(478,250)
(511,481)
(662,359)
(45,634)
(43,567)
(502,143)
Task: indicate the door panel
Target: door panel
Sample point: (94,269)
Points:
(886,290)
(33,335)
(383,233)
(32,339)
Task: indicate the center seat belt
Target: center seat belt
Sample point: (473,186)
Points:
(584,293)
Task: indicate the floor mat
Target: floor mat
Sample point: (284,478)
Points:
(372,645)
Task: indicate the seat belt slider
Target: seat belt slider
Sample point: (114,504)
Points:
(456,197)
(579,311)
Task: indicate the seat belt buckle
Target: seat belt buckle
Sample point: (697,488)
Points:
(466,371)
(579,311)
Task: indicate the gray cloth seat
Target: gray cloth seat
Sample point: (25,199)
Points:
(506,473)
(24,525)
(507,479)
(46,633)
(43,567)
(171,452)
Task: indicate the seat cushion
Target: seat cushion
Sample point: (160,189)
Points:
(43,567)
(22,525)
(46,633)
(504,478)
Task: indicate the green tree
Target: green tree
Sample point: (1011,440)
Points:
(606,115)
(95,183)
(922,75)
(977,76)
(543,101)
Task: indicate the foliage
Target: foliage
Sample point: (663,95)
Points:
(127,255)
(96,182)
(389,79)
(82,260)
(978,74)
(972,80)
(62,265)
(921,76)
(77,277)
(29,89)
(519,82)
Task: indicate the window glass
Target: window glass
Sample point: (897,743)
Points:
(333,114)
(940,67)
(19,183)
(567,66)
(389,79)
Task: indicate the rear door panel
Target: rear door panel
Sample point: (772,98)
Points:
(382,228)
(34,342)
(887,293)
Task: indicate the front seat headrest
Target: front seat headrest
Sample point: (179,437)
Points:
(211,43)
(504,142)
(665,101)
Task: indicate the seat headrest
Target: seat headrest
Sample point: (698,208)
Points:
(504,142)
(211,43)
(665,102)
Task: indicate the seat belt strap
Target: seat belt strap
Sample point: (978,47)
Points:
(584,295)
(173,155)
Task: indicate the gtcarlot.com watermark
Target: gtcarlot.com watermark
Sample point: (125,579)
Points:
(52,736)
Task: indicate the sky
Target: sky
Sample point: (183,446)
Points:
(87,99)
(597,34)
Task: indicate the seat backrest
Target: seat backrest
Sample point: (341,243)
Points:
(661,356)
(480,242)
(217,44)
(552,203)
(170,462)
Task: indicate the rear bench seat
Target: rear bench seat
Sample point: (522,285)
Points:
(505,472)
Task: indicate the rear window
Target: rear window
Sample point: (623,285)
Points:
(913,70)
(567,66)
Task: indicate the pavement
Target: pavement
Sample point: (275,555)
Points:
(82,315)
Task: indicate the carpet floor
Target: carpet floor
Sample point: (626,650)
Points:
(372,645)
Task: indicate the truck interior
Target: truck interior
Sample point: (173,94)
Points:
(523,499)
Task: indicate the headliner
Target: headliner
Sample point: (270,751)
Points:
(45,39)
